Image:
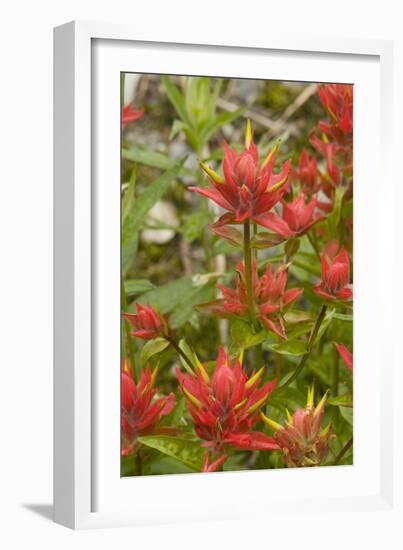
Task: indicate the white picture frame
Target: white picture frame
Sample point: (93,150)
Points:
(87,490)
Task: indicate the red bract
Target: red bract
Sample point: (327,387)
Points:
(301,439)
(141,411)
(307,173)
(335,283)
(337,99)
(269,294)
(225,407)
(130,115)
(148,323)
(346,355)
(298,217)
(248,190)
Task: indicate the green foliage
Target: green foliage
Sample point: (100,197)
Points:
(185,450)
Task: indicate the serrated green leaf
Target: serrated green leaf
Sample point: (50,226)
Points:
(151,348)
(189,452)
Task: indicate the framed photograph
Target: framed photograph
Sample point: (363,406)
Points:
(213,204)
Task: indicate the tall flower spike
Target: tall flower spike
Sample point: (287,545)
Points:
(335,284)
(225,407)
(248,190)
(269,294)
(147,323)
(141,410)
(301,438)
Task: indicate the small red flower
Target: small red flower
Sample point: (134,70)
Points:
(307,173)
(337,99)
(148,323)
(269,293)
(248,190)
(298,217)
(141,410)
(335,283)
(346,355)
(225,407)
(301,439)
(130,115)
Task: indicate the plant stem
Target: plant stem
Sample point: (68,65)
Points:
(247,251)
(343,451)
(180,352)
(129,347)
(313,244)
(335,385)
(309,347)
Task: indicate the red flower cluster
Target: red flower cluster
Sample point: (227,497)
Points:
(269,293)
(301,439)
(248,190)
(335,283)
(307,174)
(298,217)
(225,407)
(130,115)
(148,323)
(337,99)
(141,411)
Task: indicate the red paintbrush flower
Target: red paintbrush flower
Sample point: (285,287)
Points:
(269,294)
(337,99)
(298,217)
(225,407)
(130,115)
(248,190)
(301,439)
(141,410)
(346,355)
(308,174)
(335,283)
(148,323)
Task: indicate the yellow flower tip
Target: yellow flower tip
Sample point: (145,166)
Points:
(275,426)
(310,397)
(320,406)
(155,374)
(254,378)
(201,369)
(278,184)
(241,355)
(240,405)
(191,398)
(248,135)
(326,430)
(289,417)
(211,173)
(253,408)
(272,152)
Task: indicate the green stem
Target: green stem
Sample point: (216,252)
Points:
(309,347)
(247,251)
(129,347)
(335,384)
(313,244)
(343,451)
(180,352)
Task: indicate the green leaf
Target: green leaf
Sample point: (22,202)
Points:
(334,219)
(243,335)
(347,414)
(325,323)
(289,347)
(220,120)
(184,346)
(128,465)
(198,100)
(186,451)
(345,400)
(178,297)
(289,398)
(152,347)
(138,286)
(195,224)
(152,158)
(135,218)
(344,317)
(177,99)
